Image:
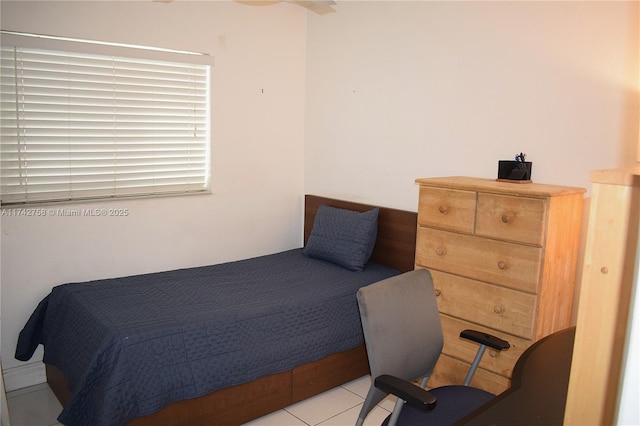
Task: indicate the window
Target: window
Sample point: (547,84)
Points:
(78,126)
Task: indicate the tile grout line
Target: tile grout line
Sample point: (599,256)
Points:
(338,414)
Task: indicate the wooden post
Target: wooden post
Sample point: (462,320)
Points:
(605,293)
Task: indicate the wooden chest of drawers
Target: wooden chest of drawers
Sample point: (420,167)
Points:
(503,259)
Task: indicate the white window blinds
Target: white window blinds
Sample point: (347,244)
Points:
(81,126)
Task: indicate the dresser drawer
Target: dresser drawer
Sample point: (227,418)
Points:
(508,264)
(499,308)
(506,217)
(450,209)
(499,362)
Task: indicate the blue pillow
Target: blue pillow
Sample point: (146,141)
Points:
(344,237)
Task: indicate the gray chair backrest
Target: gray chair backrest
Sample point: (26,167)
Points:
(401,325)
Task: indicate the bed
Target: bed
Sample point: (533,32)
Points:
(174,349)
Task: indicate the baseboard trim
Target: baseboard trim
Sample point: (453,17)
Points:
(24,376)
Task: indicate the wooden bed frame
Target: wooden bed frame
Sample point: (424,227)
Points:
(395,247)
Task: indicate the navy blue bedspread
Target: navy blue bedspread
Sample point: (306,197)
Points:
(129,346)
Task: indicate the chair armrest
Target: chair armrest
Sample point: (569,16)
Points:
(485,339)
(415,396)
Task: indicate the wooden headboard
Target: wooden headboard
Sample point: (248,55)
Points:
(396,243)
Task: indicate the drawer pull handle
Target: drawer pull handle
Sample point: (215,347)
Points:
(440,251)
(502,265)
(505,218)
(498,309)
(438,292)
(443,209)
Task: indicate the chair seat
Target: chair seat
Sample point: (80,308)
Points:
(454,402)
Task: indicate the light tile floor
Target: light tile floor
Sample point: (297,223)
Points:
(37,406)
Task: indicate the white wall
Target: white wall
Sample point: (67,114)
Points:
(401,90)
(257,153)
(629,411)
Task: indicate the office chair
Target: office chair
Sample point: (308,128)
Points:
(404,339)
